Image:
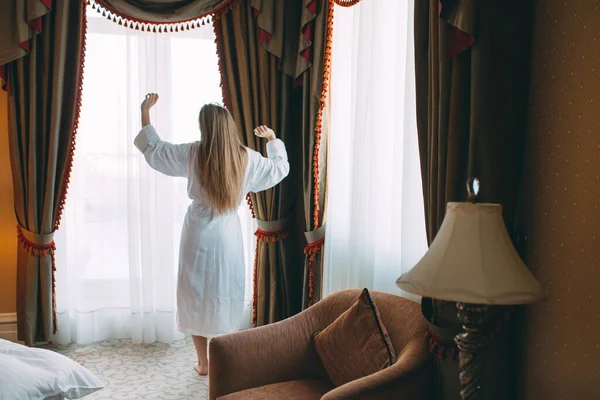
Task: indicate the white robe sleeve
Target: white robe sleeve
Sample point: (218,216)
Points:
(170,159)
(270,170)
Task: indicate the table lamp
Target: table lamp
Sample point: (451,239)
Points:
(472,262)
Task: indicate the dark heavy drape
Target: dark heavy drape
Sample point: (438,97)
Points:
(257,92)
(314,104)
(43,112)
(20,20)
(472,72)
(272,55)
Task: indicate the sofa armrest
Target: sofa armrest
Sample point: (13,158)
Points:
(270,354)
(408,378)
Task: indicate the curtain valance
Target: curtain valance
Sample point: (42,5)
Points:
(161,15)
(20,20)
(286,30)
(460,15)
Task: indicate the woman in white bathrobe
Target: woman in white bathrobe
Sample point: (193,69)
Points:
(219,172)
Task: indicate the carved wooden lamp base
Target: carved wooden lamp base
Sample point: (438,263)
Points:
(470,342)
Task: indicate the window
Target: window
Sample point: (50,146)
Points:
(119,239)
(375,214)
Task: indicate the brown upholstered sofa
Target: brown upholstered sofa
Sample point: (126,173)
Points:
(278,361)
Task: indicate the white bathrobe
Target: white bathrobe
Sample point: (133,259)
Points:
(211,278)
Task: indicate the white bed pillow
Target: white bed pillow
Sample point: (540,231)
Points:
(31,373)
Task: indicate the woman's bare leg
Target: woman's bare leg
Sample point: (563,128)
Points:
(201,345)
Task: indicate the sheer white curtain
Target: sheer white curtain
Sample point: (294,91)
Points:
(375,223)
(119,238)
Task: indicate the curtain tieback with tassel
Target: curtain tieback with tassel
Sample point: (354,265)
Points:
(36,244)
(273,231)
(315,240)
(41,245)
(268,232)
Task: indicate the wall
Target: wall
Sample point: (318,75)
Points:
(8,246)
(562,197)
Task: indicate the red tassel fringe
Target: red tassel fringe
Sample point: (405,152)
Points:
(159,27)
(346,3)
(250,205)
(319,122)
(312,249)
(271,237)
(223,83)
(73,141)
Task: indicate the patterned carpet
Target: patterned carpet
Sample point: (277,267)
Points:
(136,371)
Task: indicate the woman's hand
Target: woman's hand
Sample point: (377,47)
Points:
(147,104)
(149,101)
(264,131)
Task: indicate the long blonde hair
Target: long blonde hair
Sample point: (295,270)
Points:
(222,159)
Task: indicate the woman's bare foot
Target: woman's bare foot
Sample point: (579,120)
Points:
(201,369)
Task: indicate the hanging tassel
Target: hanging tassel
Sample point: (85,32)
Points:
(312,249)
(319,121)
(250,205)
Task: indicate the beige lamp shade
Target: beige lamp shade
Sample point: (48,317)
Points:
(472,260)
